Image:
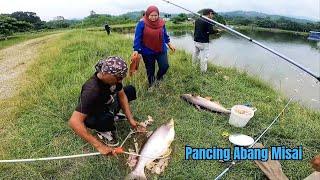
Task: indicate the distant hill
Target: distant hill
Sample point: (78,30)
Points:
(232,14)
(133,15)
(254,14)
(137,14)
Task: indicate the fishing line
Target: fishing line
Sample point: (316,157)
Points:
(75,156)
(81,155)
(249,39)
(233,162)
(135,154)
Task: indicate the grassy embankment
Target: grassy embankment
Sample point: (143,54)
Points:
(123,28)
(36,124)
(19,37)
(260,29)
(129,28)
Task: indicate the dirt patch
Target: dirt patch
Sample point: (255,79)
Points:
(14,61)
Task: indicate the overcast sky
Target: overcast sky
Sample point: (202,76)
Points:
(48,9)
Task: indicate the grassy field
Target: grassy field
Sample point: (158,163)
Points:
(19,37)
(34,123)
(260,29)
(127,28)
(189,26)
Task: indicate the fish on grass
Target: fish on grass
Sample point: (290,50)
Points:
(205,103)
(156,146)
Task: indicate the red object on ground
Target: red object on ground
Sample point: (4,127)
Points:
(118,150)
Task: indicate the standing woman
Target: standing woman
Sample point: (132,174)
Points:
(151,40)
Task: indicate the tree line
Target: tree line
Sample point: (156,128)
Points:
(182,17)
(19,22)
(29,21)
(267,22)
(264,22)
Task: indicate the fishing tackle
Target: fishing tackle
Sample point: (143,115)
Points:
(249,39)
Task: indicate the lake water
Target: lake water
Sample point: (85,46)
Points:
(231,51)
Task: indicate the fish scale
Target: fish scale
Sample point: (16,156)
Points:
(157,145)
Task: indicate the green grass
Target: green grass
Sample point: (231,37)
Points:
(127,28)
(34,124)
(20,37)
(260,29)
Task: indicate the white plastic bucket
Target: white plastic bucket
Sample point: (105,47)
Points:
(240,115)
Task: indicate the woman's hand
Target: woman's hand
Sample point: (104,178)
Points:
(134,54)
(172,48)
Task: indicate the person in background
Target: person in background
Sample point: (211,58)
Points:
(151,40)
(142,15)
(102,97)
(202,30)
(107,28)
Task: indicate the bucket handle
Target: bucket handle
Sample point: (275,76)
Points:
(253,108)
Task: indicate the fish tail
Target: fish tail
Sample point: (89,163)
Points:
(136,175)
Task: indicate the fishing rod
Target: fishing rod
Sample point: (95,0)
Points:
(233,163)
(249,39)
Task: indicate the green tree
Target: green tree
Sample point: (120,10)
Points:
(9,25)
(23,26)
(182,17)
(216,17)
(265,22)
(57,24)
(101,19)
(29,17)
(219,19)
(6,26)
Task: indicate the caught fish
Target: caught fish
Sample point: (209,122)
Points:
(201,102)
(156,146)
(134,65)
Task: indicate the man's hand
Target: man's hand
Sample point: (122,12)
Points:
(136,126)
(133,123)
(140,128)
(105,150)
(76,122)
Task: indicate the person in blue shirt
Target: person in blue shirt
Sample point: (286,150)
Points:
(151,40)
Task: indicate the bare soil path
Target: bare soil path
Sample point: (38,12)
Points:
(14,61)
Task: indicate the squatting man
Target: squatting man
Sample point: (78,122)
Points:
(102,96)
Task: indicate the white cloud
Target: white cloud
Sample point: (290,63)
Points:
(47,9)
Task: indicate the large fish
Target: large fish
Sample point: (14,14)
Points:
(201,102)
(156,146)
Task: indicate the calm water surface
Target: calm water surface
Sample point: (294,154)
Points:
(230,51)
